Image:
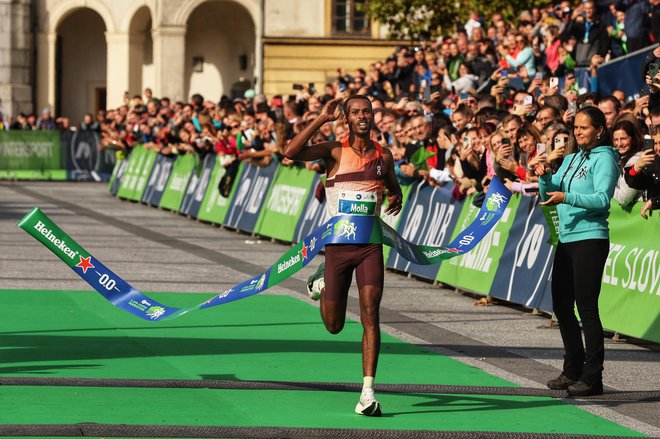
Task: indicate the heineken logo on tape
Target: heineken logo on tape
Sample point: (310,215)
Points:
(283,266)
(59,243)
(439,251)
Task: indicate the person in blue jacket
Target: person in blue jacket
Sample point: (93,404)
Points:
(581,189)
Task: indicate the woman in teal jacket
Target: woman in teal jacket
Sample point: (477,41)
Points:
(581,189)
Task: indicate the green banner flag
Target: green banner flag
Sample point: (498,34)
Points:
(178,182)
(475,271)
(630,293)
(285,202)
(419,158)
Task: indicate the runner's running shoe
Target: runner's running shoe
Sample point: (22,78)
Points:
(316,282)
(368,405)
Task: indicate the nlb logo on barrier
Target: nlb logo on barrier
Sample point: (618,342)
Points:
(60,243)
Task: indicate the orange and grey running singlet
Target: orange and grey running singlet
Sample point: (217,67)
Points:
(358,186)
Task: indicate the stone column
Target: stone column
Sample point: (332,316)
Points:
(259,52)
(136,60)
(16,63)
(117,73)
(170,61)
(45,80)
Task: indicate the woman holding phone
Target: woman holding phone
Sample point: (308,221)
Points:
(627,138)
(581,189)
(645,174)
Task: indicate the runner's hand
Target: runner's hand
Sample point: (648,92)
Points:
(394,206)
(332,110)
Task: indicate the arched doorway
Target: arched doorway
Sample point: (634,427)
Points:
(142,73)
(220,49)
(80,64)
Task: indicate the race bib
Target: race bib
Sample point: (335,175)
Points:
(357,203)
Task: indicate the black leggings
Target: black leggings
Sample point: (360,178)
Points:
(576,278)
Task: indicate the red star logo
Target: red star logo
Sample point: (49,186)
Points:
(303,250)
(453,250)
(84,263)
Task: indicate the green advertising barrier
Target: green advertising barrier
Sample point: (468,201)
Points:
(31,155)
(214,206)
(143,173)
(128,182)
(630,295)
(140,163)
(393,221)
(178,182)
(284,203)
(476,270)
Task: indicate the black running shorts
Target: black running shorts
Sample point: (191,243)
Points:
(340,262)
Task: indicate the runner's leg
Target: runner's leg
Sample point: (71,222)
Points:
(370,274)
(338,276)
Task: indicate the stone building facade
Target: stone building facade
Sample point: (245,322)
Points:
(77,56)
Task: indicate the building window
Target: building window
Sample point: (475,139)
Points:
(349,19)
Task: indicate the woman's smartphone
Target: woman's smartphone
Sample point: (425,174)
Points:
(572,106)
(540,148)
(653,70)
(648,143)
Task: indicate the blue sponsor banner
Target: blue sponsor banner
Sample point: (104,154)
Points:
(157,183)
(197,186)
(85,161)
(429,218)
(120,169)
(250,196)
(624,73)
(524,270)
(313,213)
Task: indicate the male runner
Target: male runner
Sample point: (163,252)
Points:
(359,170)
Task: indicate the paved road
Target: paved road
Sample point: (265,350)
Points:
(157,250)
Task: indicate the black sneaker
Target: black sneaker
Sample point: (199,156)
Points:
(560,383)
(581,388)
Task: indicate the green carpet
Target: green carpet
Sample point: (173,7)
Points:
(78,334)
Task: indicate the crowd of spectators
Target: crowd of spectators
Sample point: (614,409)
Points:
(494,98)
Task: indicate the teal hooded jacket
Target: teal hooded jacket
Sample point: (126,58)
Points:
(588,179)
